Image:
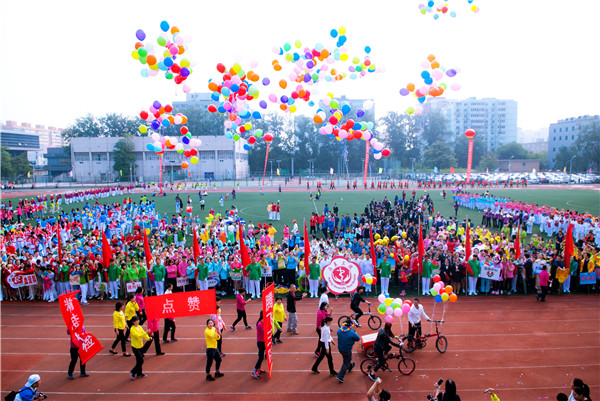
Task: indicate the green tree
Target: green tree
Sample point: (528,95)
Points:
(514,150)
(489,161)
(439,155)
(461,150)
(200,121)
(124,158)
(434,128)
(8,170)
(542,157)
(562,158)
(587,149)
(21,165)
(110,125)
(400,133)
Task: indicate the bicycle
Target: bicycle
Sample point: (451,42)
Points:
(410,344)
(406,365)
(374,322)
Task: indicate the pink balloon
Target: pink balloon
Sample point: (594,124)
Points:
(389,319)
(398,312)
(405,308)
(273,98)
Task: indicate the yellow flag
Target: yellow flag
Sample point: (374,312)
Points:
(565,169)
(28,174)
(277,171)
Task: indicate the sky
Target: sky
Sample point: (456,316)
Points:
(65,59)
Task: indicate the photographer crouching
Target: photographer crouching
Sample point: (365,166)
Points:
(29,391)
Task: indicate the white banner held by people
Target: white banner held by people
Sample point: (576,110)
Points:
(491,272)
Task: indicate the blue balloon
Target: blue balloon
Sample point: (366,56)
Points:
(346,108)
(155,125)
(421,99)
(247,147)
(284,99)
(165,123)
(245,114)
(185,140)
(140,35)
(367,49)
(256,115)
(234,88)
(436,17)
(334,33)
(228,135)
(221,109)
(430,3)
(296,57)
(425,74)
(158,149)
(215,96)
(311,103)
(164,26)
(357,125)
(225,91)
(360,113)
(263,104)
(428,80)
(144,73)
(438,298)
(266,81)
(162,66)
(150,147)
(168,61)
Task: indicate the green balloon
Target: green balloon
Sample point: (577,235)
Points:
(359,68)
(258,133)
(382,308)
(236,137)
(142,51)
(143,60)
(161,41)
(169,75)
(287,47)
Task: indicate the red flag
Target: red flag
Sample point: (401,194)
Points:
(468,241)
(243,250)
(106,251)
(195,247)
(87,343)
(268,298)
(421,247)
(569,250)
(59,244)
(372,247)
(147,250)
(73,316)
(306,250)
(518,244)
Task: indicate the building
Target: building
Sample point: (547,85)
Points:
(197,99)
(219,158)
(565,133)
(58,162)
(30,139)
(494,120)
(518,165)
(535,147)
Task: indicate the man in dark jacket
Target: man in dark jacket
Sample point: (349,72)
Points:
(292,297)
(346,339)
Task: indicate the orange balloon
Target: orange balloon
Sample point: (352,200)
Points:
(161,110)
(232,117)
(151,60)
(213,86)
(277,67)
(324,53)
(283,84)
(452,297)
(138,45)
(435,64)
(431,57)
(317,119)
(174,30)
(171,119)
(184,120)
(184,165)
(181,49)
(410,87)
(333,71)
(274,62)
(448,289)
(283,106)
(301,93)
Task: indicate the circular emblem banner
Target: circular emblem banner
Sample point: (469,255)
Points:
(341,275)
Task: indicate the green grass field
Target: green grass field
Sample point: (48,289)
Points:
(297,205)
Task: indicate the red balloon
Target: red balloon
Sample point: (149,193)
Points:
(175,68)
(144,114)
(409,302)
(242,129)
(252,140)
(186,153)
(333,120)
(436,278)
(374,280)
(212,108)
(193,152)
(168,108)
(183,130)
(268,138)
(363,279)
(221,68)
(470,133)
(385,152)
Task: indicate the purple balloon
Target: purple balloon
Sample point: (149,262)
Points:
(360,113)
(263,104)
(140,35)
(404,92)
(451,73)
(184,72)
(308,55)
(307,78)
(266,81)
(156,105)
(310,64)
(284,99)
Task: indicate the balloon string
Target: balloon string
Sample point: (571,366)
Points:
(444,312)
(432,317)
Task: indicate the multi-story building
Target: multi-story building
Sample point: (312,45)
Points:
(565,133)
(197,99)
(494,120)
(219,158)
(31,139)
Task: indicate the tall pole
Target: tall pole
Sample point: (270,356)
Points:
(571,168)
(366,163)
(265,169)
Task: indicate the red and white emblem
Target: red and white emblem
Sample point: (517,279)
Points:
(341,275)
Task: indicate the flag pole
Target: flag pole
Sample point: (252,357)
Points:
(420,267)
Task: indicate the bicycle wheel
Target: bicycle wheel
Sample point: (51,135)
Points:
(370,352)
(441,344)
(406,366)
(408,346)
(342,319)
(374,322)
(367,366)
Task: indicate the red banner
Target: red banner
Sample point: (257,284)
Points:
(306,251)
(243,250)
(196,247)
(469,160)
(421,247)
(87,343)
(106,251)
(268,298)
(147,251)
(518,244)
(59,243)
(179,304)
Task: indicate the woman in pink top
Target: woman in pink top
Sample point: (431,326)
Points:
(260,344)
(171,269)
(322,313)
(544,279)
(240,305)
(139,298)
(153,328)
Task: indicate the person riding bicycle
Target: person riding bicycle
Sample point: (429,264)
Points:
(355,303)
(414,319)
(383,345)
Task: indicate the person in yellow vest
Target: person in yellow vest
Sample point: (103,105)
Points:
(131,310)
(119,328)
(211,336)
(278,318)
(138,335)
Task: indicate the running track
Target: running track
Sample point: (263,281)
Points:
(523,349)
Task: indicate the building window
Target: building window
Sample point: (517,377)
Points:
(152,156)
(554,131)
(99,156)
(207,155)
(554,139)
(524,164)
(81,156)
(139,156)
(64,161)
(560,138)
(225,154)
(554,149)
(572,136)
(560,129)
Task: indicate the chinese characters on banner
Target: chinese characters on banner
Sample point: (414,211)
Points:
(179,304)
(268,298)
(17,280)
(73,316)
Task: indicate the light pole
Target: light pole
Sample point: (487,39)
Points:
(278,161)
(271,161)
(512,157)
(571,168)
(311,167)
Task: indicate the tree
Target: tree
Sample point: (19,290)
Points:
(124,158)
(434,128)
(400,133)
(514,150)
(461,150)
(587,149)
(200,121)
(14,166)
(110,125)
(7,166)
(439,155)
(563,158)
(489,161)
(542,157)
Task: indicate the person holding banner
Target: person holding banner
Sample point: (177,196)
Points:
(473,269)
(74,350)
(202,275)
(139,300)
(113,279)
(138,335)
(260,343)
(159,272)
(131,309)
(169,322)
(119,328)
(212,353)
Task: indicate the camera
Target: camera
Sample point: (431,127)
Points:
(42,396)
(439,382)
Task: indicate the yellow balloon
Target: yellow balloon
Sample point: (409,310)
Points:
(342,30)
(394,238)
(135,55)
(344,56)
(292,108)
(388,301)
(377,236)
(185,63)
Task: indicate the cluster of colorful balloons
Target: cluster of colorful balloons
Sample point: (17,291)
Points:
(337,120)
(391,307)
(441,8)
(157,118)
(442,292)
(434,76)
(368,279)
(165,57)
(303,66)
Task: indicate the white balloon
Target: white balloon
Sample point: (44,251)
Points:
(155,137)
(377,156)
(368,105)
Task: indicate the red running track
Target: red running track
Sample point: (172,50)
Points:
(524,349)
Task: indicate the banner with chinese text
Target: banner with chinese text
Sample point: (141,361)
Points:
(179,304)
(268,298)
(87,343)
(491,272)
